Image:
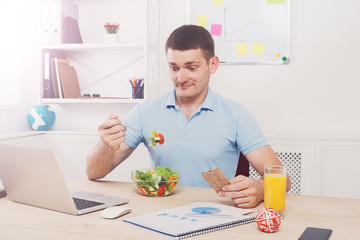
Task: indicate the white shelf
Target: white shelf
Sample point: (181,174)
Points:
(94,46)
(136,52)
(90,100)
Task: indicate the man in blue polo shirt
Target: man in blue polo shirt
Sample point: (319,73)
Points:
(202,129)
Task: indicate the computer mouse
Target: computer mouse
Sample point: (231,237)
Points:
(114,212)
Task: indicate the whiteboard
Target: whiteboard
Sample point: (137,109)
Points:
(245,31)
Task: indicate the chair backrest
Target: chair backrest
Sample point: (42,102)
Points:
(243,166)
(292,162)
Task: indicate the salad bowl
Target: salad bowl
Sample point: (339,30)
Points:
(155,182)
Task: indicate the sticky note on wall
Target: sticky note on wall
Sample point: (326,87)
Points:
(275,1)
(258,48)
(218,2)
(202,20)
(216,29)
(242,49)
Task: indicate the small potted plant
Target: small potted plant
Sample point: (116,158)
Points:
(111,32)
(112,28)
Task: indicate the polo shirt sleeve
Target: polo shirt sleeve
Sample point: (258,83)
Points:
(249,134)
(132,119)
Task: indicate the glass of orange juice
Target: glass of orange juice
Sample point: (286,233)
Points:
(275,187)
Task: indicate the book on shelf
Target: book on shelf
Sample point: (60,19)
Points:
(48,92)
(57,62)
(192,219)
(60,79)
(69,81)
(50,85)
(48,89)
(54,82)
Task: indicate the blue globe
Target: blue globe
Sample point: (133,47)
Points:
(41,117)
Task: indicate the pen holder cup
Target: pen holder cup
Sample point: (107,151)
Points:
(138,92)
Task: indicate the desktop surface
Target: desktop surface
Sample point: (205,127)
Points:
(18,221)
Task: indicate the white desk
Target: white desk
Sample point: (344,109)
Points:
(18,221)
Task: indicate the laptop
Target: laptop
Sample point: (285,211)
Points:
(31,175)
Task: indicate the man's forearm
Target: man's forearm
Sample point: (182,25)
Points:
(99,161)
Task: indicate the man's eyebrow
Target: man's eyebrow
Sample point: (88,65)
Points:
(186,63)
(192,62)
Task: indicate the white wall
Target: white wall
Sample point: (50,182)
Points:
(317,91)
(27,53)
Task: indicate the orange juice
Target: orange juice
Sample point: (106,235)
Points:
(274,190)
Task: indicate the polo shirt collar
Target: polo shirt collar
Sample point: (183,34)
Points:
(208,104)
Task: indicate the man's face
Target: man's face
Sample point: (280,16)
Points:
(189,73)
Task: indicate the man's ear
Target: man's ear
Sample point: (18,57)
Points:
(214,64)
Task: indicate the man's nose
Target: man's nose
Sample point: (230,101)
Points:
(181,76)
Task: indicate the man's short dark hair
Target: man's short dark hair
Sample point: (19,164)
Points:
(189,37)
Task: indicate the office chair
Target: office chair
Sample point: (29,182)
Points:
(243,166)
(292,162)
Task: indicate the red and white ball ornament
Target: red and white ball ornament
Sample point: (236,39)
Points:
(268,219)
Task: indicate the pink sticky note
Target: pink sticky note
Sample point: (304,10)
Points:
(216,29)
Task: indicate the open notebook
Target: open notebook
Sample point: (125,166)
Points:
(192,219)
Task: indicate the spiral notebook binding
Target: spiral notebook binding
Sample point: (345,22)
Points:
(216,228)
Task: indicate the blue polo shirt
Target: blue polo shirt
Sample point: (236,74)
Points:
(211,138)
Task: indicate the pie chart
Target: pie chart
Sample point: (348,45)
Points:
(205,210)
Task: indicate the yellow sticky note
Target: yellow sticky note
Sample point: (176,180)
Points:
(218,2)
(202,20)
(275,1)
(242,49)
(258,48)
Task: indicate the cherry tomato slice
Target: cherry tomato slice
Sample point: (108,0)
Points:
(161,190)
(162,139)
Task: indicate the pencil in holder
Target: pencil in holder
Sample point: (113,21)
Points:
(138,92)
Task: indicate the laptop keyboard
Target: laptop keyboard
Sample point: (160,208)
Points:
(83,203)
